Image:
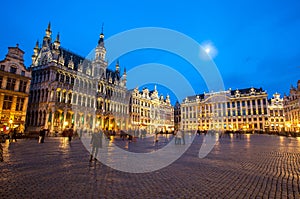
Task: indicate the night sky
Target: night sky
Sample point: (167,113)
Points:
(256,43)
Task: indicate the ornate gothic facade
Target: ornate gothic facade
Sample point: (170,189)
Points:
(68,90)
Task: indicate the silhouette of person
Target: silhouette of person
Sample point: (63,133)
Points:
(96,143)
(70,133)
(42,135)
(13,135)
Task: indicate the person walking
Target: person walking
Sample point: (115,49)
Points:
(70,133)
(178,137)
(13,135)
(183,137)
(96,143)
(156,136)
(42,135)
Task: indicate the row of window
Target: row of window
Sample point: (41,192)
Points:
(224,126)
(229,113)
(237,104)
(12,69)
(276,112)
(73,98)
(139,102)
(7,103)
(11,84)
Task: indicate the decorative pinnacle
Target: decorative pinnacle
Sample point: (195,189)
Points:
(57,37)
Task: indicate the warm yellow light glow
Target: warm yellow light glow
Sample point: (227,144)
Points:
(66,123)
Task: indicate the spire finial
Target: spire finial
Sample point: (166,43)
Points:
(117,65)
(48,30)
(57,37)
(49,26)
(37,44)
(101,39)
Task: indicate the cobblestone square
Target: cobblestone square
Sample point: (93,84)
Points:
(253,166)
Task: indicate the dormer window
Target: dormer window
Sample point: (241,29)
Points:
(13,70)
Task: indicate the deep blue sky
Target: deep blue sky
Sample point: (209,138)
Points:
(258,41)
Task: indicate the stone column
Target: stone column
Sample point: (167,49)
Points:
(1,100)
(13,105)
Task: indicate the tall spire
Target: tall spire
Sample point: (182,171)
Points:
(57,37)
(35,52)
(47,37)
(117,66)
(101,39)
(36,48)
(57,42)
(48,30)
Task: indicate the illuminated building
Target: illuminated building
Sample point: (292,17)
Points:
(151,111)
(275,114)
(14,86)
(244,109)
(292,109)
(68,90)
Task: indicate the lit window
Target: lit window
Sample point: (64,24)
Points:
(20,104)
(10,85)
(22,86)
(7,102)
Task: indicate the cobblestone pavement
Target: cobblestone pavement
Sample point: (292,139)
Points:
(255,166)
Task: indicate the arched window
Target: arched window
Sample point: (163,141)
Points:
(64,94)
(74,98)
(58,95)
(69,98)
(79,100)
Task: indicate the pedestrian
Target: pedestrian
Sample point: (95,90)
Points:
(96,143)
(178,137)
(156,136)
(42,135)
(70,133)
(80,132)
(13,135)
(182,137)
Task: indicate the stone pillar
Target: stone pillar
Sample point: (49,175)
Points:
(13,105)
(4,82)
(17,85)
(1,100)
